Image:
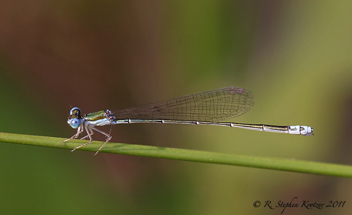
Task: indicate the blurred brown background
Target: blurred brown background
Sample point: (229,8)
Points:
(296,57)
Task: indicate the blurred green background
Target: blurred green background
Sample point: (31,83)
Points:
(295,56)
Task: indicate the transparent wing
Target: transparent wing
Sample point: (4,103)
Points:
(211,105)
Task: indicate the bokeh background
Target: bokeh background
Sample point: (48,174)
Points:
(295,56)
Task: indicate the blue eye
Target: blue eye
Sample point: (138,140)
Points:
(74,123)
(75,111)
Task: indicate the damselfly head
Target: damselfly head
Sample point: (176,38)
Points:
(75,118)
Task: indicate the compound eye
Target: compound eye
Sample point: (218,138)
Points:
(76,112)
(75,123)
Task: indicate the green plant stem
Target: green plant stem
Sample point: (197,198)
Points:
(186,155)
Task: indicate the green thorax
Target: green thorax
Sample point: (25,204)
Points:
(96,115)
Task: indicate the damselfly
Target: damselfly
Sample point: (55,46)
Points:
(205,108)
